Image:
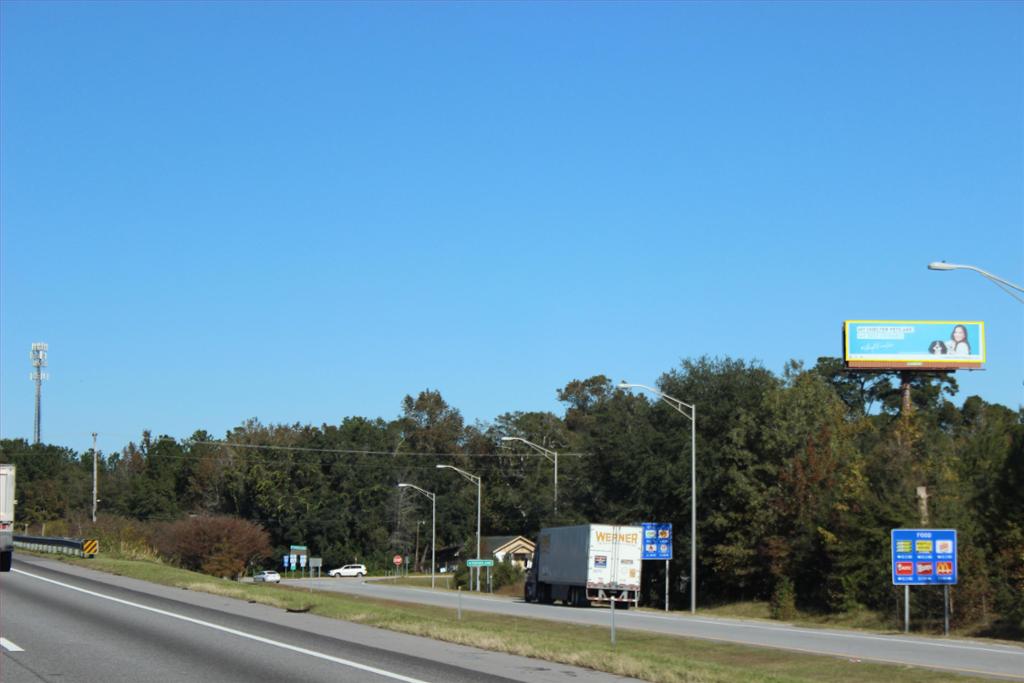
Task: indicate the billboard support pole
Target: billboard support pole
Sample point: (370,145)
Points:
(945,603)
(666,585)
(906,609)
(906,405)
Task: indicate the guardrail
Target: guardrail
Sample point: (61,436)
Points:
(79,547)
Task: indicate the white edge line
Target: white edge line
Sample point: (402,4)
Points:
(234,632)
(1010,649)
(831,634)
(9,646)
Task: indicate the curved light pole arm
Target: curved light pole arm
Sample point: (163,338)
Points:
(549,454)
(672,401)
(1005,285)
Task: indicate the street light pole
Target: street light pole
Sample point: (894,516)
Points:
(679,406)
(476,480)
(433,527)
(94,477)
(1004,285)
(550,455)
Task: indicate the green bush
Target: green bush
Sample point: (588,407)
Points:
(783,604)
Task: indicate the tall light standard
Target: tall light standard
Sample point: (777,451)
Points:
(433,526)
(692,415)
(550,455)
(475,479)
(1005,285)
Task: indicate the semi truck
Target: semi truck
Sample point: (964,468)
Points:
(6,517)
(586,564)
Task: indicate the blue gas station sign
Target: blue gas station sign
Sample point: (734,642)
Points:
(922,557)
(657,541)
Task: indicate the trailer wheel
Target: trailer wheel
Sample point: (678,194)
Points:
(5,560)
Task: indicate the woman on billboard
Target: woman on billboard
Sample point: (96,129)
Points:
(958,345)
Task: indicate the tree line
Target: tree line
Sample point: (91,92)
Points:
(800,478)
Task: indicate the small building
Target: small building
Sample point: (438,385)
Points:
(515,549)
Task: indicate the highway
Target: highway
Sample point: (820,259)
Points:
(948,654)
(65,623)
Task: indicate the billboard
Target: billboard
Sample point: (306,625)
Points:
(909,344)
(924,556)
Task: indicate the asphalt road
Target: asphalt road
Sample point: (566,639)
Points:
(63,623)
(948,654)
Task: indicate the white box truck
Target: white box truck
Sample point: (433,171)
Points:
(6,517)
(590,563)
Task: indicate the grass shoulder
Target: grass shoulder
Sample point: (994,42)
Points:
(642,655)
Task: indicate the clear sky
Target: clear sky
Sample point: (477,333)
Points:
(300,212)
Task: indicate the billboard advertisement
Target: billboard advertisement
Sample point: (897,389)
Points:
(909,344)
(657,541)
(924,556)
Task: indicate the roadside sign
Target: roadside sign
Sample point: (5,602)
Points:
(397,559)
(299,550)
(302,561)
(922,557)
(657,544)
(286,560)
(316,562)
(479,563)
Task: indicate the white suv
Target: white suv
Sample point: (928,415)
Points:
(349,570)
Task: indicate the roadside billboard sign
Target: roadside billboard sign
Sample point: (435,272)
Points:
(657,541)
(910,344)
(299,550)
(923,557)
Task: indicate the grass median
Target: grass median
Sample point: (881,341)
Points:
(637,654)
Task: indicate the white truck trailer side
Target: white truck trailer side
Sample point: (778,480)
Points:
(6,517)
(580,565)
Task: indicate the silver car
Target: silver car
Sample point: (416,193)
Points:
(267,577)
(349,570)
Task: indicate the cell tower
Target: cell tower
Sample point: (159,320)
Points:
(38,356)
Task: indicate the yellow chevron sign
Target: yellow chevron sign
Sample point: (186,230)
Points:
(90,547)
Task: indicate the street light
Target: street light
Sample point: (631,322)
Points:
(433,526)
(692,415)
(1004,285)
(550,455)
(475,479)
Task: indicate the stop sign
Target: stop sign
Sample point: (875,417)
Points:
(397,559)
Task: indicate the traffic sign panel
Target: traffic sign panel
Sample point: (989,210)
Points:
(397,559)
(479,563)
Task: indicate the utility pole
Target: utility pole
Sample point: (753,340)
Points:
(38,357)
(94,457)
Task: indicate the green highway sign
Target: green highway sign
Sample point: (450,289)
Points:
(479,563)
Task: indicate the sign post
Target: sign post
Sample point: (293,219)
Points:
(924,557)
(658,546)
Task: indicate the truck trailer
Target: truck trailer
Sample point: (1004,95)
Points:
(586,564)
(6,517)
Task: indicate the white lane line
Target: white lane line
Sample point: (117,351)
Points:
(234,632)
(9,646)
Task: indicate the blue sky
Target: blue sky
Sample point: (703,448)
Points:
(300,212)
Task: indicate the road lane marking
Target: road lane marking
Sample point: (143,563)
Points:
(231,631)
(9,646)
